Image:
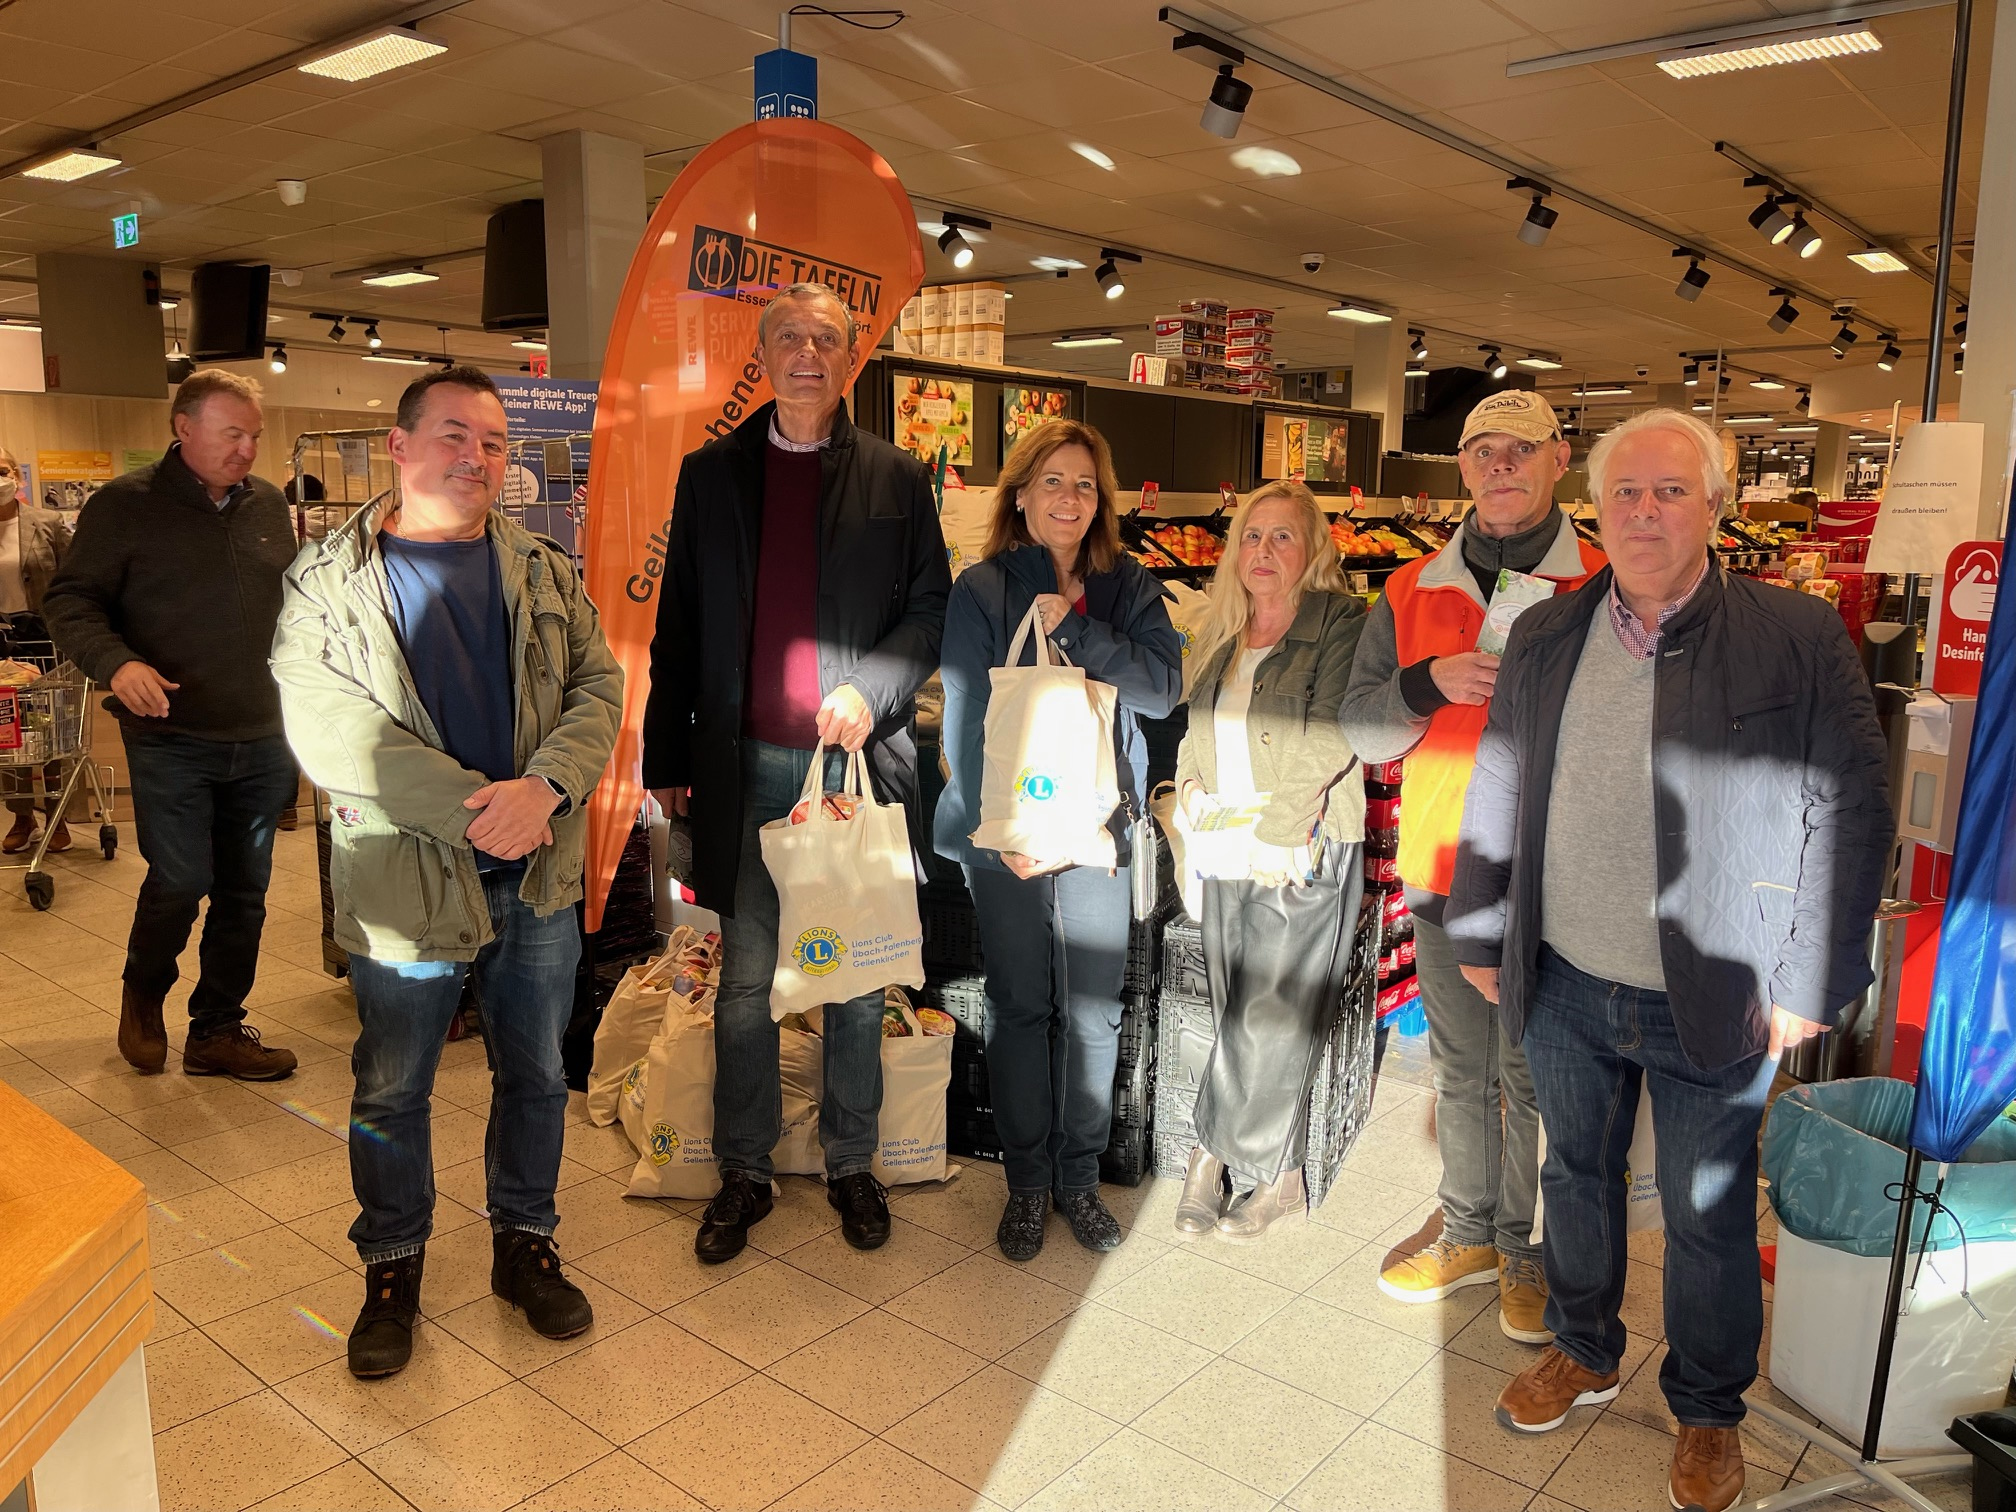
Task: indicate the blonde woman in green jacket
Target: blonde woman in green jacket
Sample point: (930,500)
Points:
(1277,941)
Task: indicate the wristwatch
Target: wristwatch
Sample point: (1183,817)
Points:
(566,803)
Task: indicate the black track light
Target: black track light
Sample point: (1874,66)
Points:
(1692,282)
(336,331)
(1888,358)
(279,360)
(1844,338)
(1960,331)
(1959,362)
(1538,222)
(1690,375)
(1802,238)
(1770,220)
(1417,349)
(1108,271)
(1805,404)
(1230,95)
(371,337)
(1494,363)
(956,247)
(1781,319)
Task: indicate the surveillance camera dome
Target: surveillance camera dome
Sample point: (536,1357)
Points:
(1311,261)
(291,191)
(1644,372)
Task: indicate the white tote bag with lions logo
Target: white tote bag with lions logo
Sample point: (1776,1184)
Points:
(846,896)
(1049,782)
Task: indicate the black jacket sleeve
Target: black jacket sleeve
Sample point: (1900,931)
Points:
(1143,658)
(81,607)
(889,676)
(971,653)
(675,648)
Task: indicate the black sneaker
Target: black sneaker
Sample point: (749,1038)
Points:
(724,1227)
(381,1340)
(1091,1225)
(863,1204)
(525,1271)
(1020,1232)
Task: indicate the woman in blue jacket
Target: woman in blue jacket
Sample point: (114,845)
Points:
(1054,936)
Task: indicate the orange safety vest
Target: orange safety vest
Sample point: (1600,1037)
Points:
(1442,619)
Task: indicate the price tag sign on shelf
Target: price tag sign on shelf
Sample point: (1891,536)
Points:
(1966,604)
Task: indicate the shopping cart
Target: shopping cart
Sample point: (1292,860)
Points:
(44,725)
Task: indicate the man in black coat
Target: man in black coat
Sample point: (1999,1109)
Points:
(168,596)
(1672,851)
(805,586)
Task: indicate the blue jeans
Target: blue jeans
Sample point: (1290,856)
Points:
(525,986)
(1592,1044)
(1056,952)
(748,1094)
(205,811)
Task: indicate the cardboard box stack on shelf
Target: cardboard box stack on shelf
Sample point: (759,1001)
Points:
(956,323)
(1249,352)
(1193,342)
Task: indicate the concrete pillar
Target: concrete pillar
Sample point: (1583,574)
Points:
(1985,392)
(1830,460)
(594,191)
(1379,375)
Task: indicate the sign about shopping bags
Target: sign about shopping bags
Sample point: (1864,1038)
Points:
(773,203)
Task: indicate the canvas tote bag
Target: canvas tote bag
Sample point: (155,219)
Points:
(846,897)
(1049,781)
(916,1072)
(632,1020)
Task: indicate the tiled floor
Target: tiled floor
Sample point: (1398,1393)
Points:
(932,1374)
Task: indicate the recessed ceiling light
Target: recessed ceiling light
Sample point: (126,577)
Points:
(529,344)
(1093,155)
(1266,162)
(1797,47)
(1360,315)
(373,403)
(1087,339)
(1603,391)
(402,278)
(395,47)
(1876,260)
(72,164)
(393,357)
(1540,364)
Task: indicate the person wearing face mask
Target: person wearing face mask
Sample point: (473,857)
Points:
(1421,690)
(168,596)
(1263,735)
(1054,936)
(32,542)
(446,680)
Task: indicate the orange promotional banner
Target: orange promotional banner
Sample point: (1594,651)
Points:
(772,203)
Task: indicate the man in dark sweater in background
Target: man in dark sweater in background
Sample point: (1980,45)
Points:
(169,595)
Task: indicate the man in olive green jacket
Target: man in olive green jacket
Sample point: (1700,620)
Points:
(445,679)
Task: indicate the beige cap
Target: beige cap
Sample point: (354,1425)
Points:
(1515,412)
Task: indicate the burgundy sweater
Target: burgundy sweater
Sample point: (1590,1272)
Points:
(781,706)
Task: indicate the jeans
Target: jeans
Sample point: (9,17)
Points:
(525,989)
(1490,1160)
(1056,952)
(748,1094)
(205,811)
(1593,1044)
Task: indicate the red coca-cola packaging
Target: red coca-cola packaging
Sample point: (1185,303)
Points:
(1382,813)
(1381,869)
(1395,909)
(1398,996)
(1384,771)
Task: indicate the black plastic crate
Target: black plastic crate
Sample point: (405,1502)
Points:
(1184,1036)
(1183,970)
(1137,1029)
(970,1084)
(965,998)
(1134,1095)
(1128,1158)
(951,932)
(970,1132)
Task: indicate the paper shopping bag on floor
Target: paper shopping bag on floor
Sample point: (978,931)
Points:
(636,1010)
(846,896)
(916,1071)
(1049,781)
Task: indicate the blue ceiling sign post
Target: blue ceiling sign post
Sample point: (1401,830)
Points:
(787,84)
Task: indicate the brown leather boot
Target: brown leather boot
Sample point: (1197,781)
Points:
(1538,1400)
(1707,1469)
(19,835)
(236,1052)
(142,1039)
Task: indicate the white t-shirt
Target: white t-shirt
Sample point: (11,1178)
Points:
(1228,728)
(13,581)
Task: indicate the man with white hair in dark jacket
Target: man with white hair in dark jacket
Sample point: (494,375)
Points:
(1672,849)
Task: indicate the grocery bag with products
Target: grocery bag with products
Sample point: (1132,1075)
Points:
(916,1073)
(846,895)
(1049,781)
(688,968)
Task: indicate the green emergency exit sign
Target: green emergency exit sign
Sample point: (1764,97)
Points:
(126,230)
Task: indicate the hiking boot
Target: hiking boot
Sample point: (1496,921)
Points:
(724,1227)
(1430,1274)
(1522,1300)
(1020,1232)
(381,1340)
(1092,1225)
(1707,1469)
(1538,1401)
(143,1039)
(1203,1201)
(236,1052)
(525,1271)
(863,1205)
(18,837)
(1272,1204)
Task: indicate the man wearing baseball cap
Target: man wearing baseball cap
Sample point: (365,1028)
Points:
(1421,689)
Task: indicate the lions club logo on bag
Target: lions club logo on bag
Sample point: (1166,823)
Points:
(818,952)
(1037,787)
(664,1143)
(633,1084)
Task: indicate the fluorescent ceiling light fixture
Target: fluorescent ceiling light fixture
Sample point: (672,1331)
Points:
(1087,339)
(1603,391)
(1767,383)
(1056,264)
(1795,430)
(401,277)
(393,357)
(1359,314)
(395,47)
(529,344)
(1746,419)
(1798,47)
(170,302)
(1266,162)
(1093,155)
(71,165)
(1538,363)
(1876,260)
